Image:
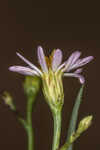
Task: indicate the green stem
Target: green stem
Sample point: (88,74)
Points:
(57,129)
(29,124)
(23,122)
(71,141)
(65,146)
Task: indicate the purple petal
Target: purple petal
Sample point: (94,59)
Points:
(78,71)
(23,70)
(76,55)
(41,59)
(86,60)
(80,77)
(82,62)
(57,59)
(72,59)
(29,63)
(61,66)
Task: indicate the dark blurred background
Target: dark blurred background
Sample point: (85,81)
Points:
(23,26)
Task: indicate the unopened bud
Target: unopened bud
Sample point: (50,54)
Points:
(8,100)
(84,124)
(31,86)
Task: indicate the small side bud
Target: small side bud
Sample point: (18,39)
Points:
(31,86)
(84,124)
(8,100)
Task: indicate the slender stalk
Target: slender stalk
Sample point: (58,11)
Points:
(65,146)
(57,129)
(29,124)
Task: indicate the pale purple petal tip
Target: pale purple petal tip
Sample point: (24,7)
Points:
(29,63)
(76,55)
(25,60)
(82,62)
(41,59)
(78,70)
(72,59)
(57,59)
(80,77)
(23,70)
(86,60)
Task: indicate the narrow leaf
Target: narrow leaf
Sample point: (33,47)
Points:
(74,116)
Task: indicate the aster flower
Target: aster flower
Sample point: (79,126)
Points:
(53,63)
(51,71)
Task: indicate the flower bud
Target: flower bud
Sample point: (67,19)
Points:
(8,100)
(31,86)
(84,124)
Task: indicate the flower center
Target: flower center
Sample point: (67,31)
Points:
(49,60)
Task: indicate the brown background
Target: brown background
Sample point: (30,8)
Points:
(25,25)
